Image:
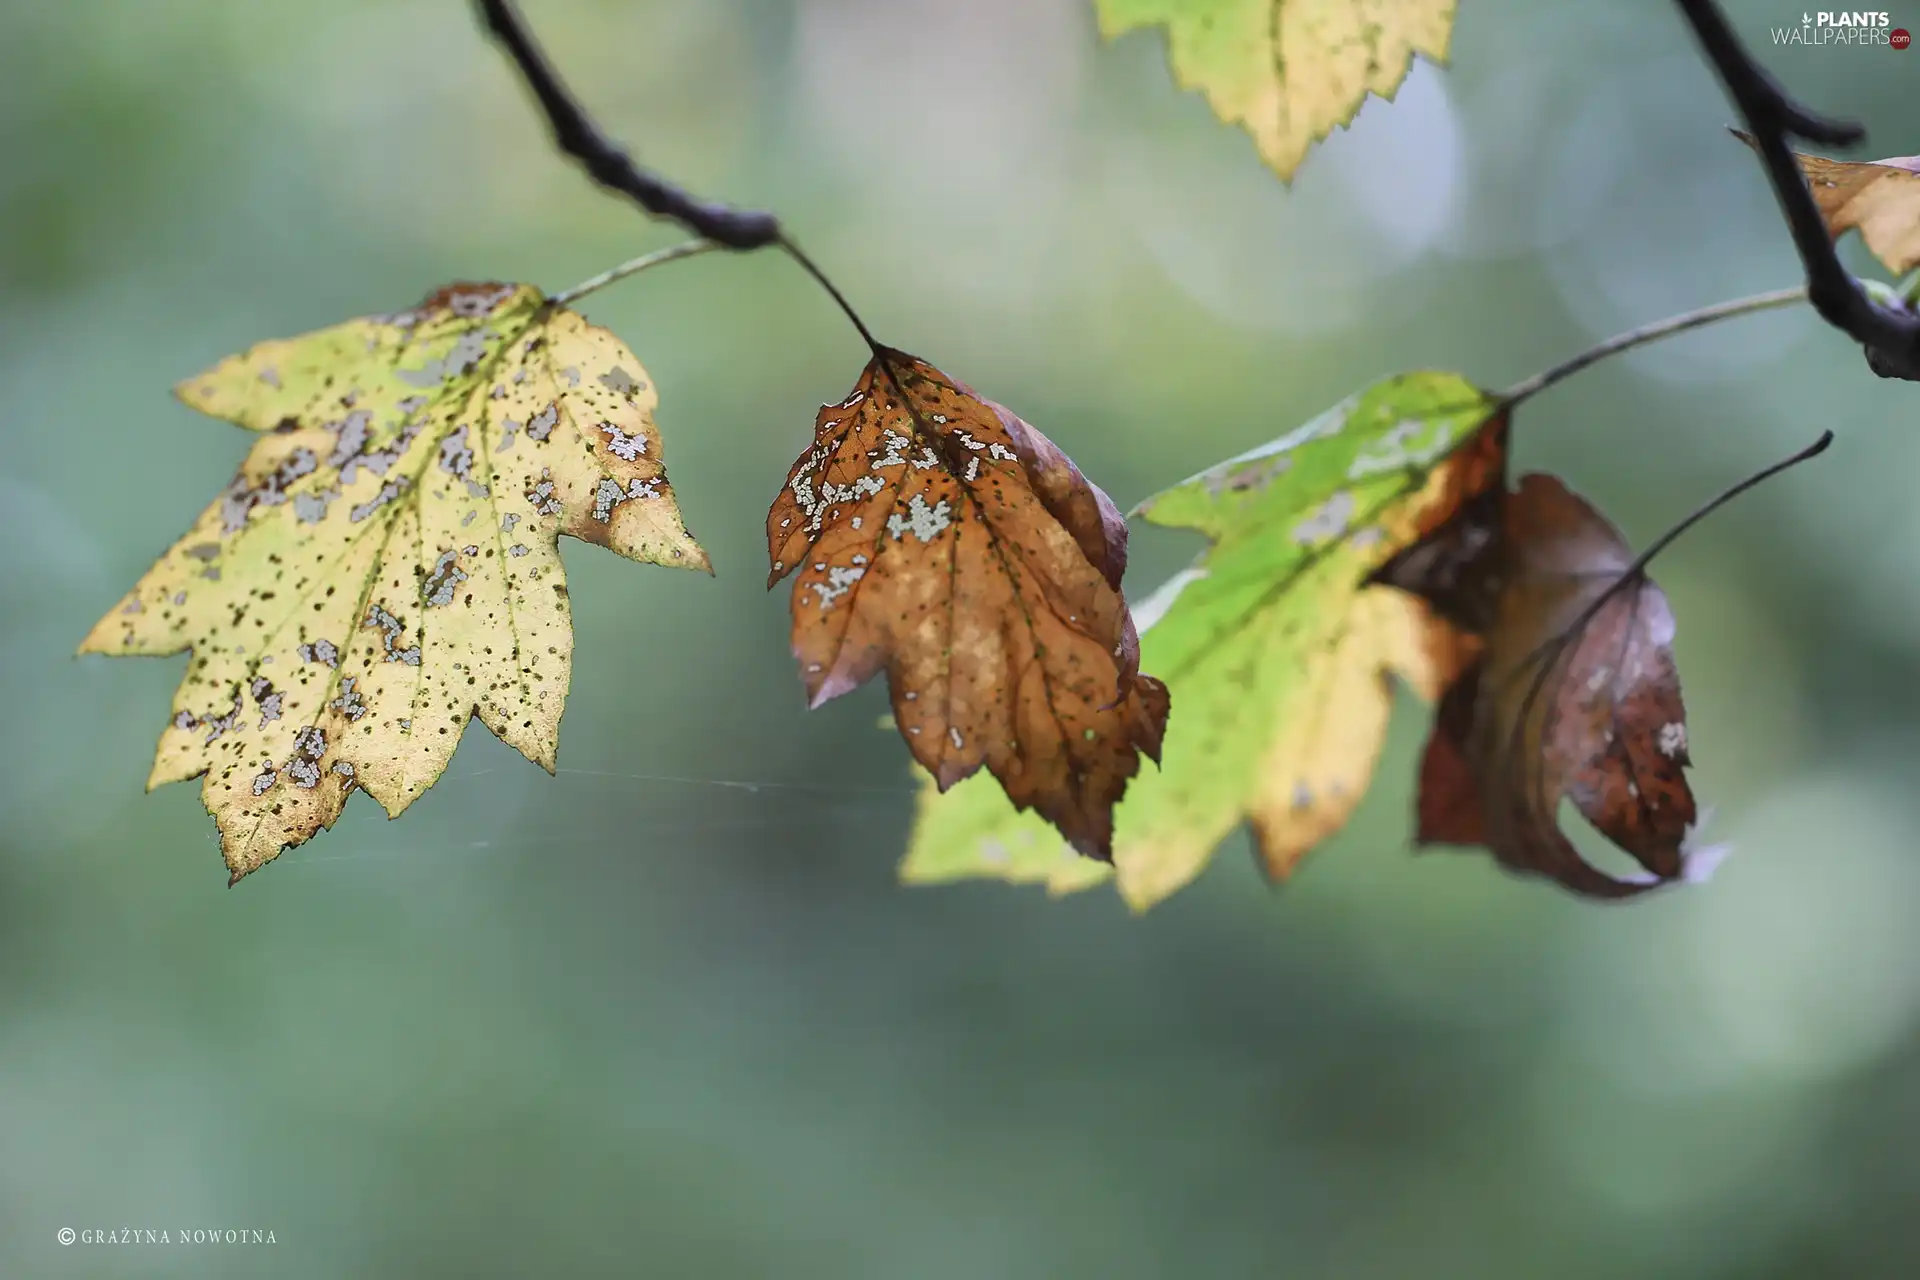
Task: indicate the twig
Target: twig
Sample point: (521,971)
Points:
(605,161)
(1667,539)
(608,164)
(1891,336)
(1647,333)
(631,266)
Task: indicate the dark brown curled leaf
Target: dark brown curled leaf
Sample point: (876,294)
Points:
(1575,696)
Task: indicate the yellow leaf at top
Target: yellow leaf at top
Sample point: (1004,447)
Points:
(1289,71)
(384,565)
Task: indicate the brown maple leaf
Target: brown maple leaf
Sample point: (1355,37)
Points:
(1575,694)
(936,535)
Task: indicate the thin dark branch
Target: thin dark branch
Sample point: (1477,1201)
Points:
(609,165)
(1891,336)
(605,161)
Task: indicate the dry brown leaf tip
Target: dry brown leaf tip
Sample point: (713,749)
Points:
(1878,198)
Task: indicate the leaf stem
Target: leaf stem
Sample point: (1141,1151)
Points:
(882,356)
(632,266)
(820,278)
(1646,333)
(1667,539)
(575,134)
(1638,569)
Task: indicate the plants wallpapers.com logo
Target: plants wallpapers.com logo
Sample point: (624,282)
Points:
(1857,29)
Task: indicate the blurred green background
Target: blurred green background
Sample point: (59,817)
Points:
(667,1013)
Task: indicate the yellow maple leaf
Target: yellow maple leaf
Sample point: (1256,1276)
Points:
(384,565)
(1289,71)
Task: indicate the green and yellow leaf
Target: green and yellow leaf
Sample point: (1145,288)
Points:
(384,566)
(1289,71)
(1272,645)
